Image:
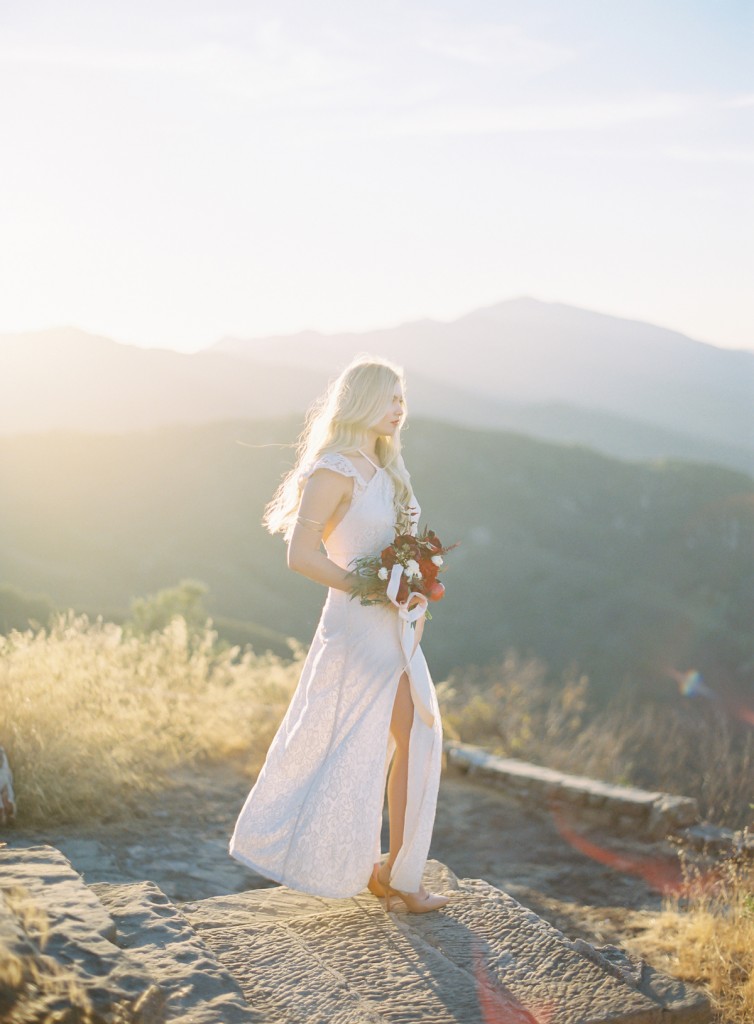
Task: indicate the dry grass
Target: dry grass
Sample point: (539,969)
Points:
(94,717)
(707,937)
(688,748)
(511,707)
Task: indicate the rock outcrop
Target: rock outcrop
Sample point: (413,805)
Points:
(275,954)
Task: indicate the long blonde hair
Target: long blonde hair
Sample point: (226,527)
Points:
(338,422)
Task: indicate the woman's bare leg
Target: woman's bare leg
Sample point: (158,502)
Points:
(397,783)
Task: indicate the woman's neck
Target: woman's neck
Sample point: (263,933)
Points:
(370,444)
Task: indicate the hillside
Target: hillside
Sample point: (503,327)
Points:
(630,572)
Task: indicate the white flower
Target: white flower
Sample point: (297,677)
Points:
(383,573)
(412,569)
(437,559)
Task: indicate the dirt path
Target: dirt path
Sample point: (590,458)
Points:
(179,839)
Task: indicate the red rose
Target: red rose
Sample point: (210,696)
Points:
(428,569)
(389,557)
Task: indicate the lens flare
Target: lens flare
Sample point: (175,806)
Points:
(497,1004)
(743,712)
(692,685)
(663,874)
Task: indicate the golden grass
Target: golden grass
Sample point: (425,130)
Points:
(706,937)
(94,717)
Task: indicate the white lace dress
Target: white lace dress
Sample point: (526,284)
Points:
(313,819)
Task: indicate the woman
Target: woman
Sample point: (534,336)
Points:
(313,819)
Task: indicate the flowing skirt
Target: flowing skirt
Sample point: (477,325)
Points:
(313,819)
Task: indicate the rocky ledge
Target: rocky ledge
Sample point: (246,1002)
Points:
(275,955)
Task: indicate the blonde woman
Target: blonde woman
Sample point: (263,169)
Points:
(313,819)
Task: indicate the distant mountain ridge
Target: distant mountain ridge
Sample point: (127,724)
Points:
(544,369)
(70,380)
(536,353)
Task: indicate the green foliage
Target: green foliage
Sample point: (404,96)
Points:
(156,611)
(19,610)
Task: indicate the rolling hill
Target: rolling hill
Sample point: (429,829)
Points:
(627,571)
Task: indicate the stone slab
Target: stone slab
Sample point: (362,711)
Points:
(61,926)
(57,888)
(14,941)
(512,949)
(198,988)
(355,967)
(685,1003)
(481,957)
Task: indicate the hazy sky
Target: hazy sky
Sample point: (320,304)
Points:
(173,170)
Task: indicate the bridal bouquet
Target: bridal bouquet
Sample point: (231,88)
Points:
(410,565)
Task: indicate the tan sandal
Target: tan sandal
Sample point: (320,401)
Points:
(416,904)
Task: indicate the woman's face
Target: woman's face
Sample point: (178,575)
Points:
(392,419)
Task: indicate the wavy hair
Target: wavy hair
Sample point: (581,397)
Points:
(338,422)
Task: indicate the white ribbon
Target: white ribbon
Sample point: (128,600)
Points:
(410,611)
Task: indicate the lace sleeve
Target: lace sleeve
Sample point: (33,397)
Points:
(331,460)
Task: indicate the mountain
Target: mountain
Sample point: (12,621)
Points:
(550,356)
(68,379)
(630,572)
(543,369)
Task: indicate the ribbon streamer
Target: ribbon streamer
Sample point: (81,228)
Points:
(411,611)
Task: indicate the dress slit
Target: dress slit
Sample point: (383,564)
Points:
(415,791)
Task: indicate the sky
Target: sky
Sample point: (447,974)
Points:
(175,171)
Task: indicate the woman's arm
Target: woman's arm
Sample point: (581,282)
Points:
(324,492)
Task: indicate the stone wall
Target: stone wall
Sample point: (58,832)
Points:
(621,809)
